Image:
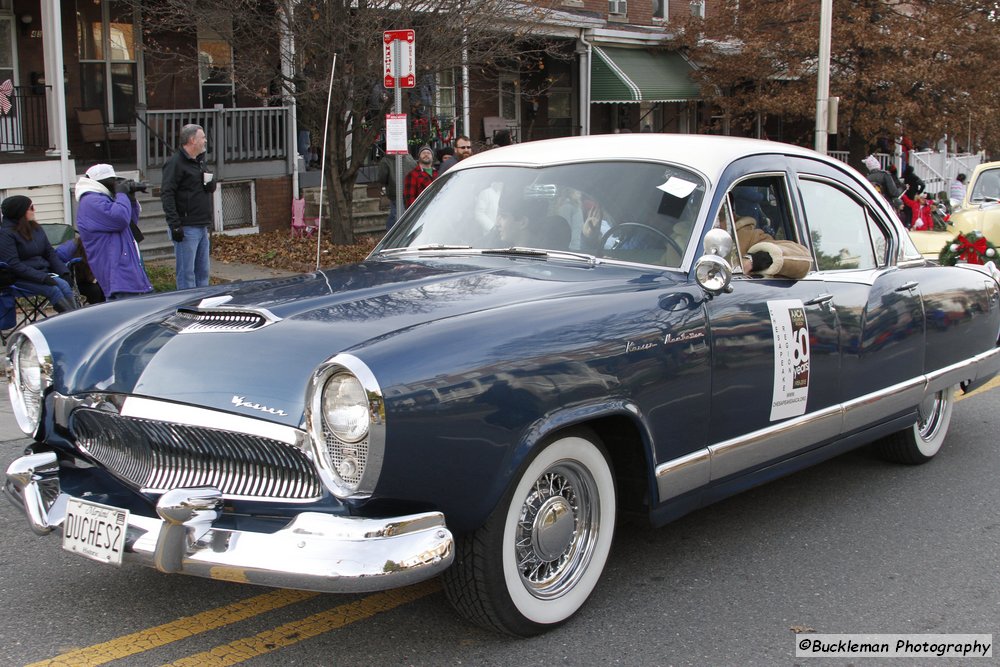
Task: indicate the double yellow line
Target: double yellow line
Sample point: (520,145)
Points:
(249,647)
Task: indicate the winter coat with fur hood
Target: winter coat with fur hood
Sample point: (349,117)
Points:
(103,221)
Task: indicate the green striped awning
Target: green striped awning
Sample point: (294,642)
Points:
(640,75)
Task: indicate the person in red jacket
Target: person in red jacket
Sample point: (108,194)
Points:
(417,180)
(921,212)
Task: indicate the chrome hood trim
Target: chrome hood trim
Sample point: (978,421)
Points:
(198,319)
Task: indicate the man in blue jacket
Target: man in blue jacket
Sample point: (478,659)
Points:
(105,216)
(187,203)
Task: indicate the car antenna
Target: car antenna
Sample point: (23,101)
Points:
(322,168)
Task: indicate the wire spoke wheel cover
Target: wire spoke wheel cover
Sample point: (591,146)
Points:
(558,530)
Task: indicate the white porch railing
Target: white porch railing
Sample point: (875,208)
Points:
(937,170)
(252,135)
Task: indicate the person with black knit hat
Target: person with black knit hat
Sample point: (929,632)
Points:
(420,177)
(29,256)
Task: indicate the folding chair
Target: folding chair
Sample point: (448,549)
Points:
(57,232)
(19,308)
(299,226)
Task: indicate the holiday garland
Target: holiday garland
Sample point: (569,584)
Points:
(971,248)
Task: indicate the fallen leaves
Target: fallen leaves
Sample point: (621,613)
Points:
(278,250)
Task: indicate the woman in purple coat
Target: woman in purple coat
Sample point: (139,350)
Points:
(104,219)
(29,256)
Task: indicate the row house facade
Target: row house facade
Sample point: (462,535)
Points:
(75,90)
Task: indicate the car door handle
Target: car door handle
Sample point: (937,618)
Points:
(822,299)
(906,287)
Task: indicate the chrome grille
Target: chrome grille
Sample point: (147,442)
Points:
(205,320)
(160,456)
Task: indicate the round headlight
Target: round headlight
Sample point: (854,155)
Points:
(345,407)
(30,374)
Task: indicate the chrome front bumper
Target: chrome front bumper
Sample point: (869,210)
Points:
(315,551)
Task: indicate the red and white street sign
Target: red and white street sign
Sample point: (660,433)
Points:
(406,45)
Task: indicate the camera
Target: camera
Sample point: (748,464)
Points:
(130,187)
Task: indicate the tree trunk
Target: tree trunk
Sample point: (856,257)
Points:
(857,150)
(341,200)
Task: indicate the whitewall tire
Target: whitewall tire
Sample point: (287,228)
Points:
(541,553)
(922,441)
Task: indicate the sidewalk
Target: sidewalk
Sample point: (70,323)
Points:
(10,433)
(233,271)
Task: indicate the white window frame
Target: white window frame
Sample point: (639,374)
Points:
(666,11)
(207,33)
(512,79)
(698,8)
(441,84)
(619,7)
(108,61)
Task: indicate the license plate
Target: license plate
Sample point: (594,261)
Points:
(95,531)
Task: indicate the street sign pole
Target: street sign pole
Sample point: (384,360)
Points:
(397,107)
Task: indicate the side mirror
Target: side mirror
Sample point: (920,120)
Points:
(712,270)
(713,275)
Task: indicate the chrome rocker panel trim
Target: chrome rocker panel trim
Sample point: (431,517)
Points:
(699,468)
(315,551)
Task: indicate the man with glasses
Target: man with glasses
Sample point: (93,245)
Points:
(463,149)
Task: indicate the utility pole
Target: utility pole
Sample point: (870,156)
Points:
(823,76)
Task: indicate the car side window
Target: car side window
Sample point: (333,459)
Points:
(765,199)
(843,230)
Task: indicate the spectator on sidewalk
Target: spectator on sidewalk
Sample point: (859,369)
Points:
(882,180)
(106,214)
(187,203)
(463,149)
(86,283)
(957,190)
(420,177)
(29,256)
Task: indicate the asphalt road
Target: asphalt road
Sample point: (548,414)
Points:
(854,545)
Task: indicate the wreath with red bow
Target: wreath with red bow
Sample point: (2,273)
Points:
(971,248)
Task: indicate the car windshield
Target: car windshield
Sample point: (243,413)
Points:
(987,187)
(631,211)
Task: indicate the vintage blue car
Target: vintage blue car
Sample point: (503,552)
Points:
(555,333)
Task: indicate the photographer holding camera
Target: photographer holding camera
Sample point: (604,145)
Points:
(107,219)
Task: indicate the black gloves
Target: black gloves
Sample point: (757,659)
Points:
(177,233)
(761,261)
(122,187)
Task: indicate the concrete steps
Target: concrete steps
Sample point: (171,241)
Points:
(369,214)
(153,224)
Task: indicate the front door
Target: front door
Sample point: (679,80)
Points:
(775,343)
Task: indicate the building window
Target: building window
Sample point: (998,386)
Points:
(659,10)
(618,7)
(509,89)
(105,35)
(560,104)
(444,103)
(698,8)
(215,62)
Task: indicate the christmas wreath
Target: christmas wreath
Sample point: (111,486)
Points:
(972,248)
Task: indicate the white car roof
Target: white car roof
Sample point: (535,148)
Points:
(708,154)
